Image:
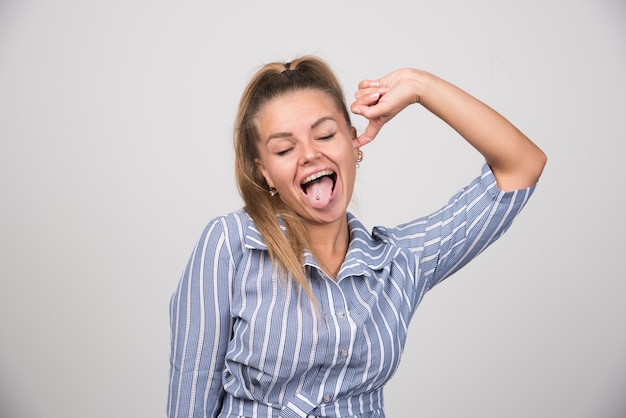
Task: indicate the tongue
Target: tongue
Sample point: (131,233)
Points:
(319,192)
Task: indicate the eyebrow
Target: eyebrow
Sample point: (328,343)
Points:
(288,134)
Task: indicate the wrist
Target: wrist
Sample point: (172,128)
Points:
(423,84)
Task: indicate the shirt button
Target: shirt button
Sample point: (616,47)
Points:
(340,314)
(343,353)
(327,397)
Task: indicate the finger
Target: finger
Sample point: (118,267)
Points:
(362,105)
(365,91)
(381,108)
(370,91)
(368,100)
(361,140)
(369,83)
(368,135)
(360,109)
(374,104)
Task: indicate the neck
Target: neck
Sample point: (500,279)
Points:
(330,244)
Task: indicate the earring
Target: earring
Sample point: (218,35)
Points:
(273,191)
(359,159)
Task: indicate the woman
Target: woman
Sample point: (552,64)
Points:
(289,307)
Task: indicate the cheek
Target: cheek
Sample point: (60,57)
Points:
(278,172)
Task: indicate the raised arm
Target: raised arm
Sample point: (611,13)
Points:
(515,160)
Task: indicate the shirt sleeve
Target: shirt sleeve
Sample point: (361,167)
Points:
(201,327)
(474,218)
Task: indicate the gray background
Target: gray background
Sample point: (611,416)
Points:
(115,128)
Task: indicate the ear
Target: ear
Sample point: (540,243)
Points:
(261,167)
(355,143)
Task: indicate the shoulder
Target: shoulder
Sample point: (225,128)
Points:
(237,222)
(230,230)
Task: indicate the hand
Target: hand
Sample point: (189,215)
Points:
(380,100)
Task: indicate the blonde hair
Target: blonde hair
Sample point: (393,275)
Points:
(271,81)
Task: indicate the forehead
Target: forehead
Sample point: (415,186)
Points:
(294,109)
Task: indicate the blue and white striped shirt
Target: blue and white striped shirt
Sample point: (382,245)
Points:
(247,342)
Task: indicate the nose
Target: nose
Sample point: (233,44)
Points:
(310,153)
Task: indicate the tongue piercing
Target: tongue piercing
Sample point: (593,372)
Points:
(317,197)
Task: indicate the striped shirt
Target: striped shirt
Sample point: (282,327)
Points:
(248,342)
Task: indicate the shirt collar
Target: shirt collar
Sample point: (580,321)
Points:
(252,237)
(365,252)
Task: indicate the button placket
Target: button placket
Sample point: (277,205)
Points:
(341,338)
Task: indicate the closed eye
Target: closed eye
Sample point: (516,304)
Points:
(323,138)
(284,152)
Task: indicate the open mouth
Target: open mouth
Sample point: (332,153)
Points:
(318,178)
